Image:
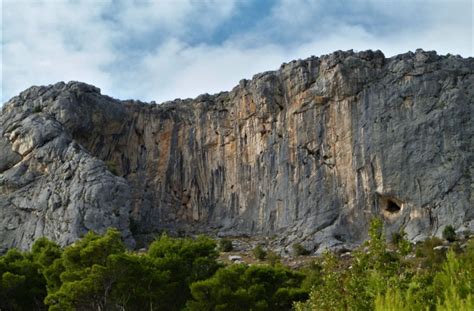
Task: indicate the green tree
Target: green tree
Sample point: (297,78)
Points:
(454,284)
(399,239)
(22,286)
(313,275)
(419,294)
(454,302)
(186,260)
(391,301)
(45,252)
(139,284)
(85,283)
(373,270)
(329,295)
(47,255)
(240,287)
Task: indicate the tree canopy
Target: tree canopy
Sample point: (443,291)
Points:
(98,273)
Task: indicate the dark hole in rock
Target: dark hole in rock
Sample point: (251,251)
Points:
(392,207)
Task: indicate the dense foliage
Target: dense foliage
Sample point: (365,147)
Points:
(98,273)
(240,287)
(225,245)
(449,233)
(380,277)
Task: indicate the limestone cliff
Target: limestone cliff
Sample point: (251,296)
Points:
(307,153)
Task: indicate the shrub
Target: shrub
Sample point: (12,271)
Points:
(242,287)
(259,252)
(37,109)
(313,275)
(112,167)
(453,283)
(300,250)
(396,238)
(400,241)
(449,233)
(22,286)
(273,258)
(186,261)
(328,295)
(426,250)
(225,245)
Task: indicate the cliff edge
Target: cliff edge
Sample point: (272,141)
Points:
(307,153)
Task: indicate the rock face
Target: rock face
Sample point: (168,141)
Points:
(307,153)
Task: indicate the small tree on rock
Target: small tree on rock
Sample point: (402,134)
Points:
(449,234)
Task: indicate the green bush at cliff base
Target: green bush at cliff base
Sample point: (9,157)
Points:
(449,233)
(225,245)
(242,287)
(300,250)
(381,278)
(98,273)
(259,252)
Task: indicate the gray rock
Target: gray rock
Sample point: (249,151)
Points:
(55,187)
(235,258)
(8,157)
(346,255)
(308,153)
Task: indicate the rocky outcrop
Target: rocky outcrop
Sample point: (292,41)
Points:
(307,153)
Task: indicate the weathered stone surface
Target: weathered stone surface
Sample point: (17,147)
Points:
(307,153)
(49,184)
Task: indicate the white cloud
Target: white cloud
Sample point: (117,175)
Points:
(50,41)
(175,18)
(178,70)
(185,71)
(47,41)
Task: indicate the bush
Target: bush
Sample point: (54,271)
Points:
(396,238)
(273,258)
(22,286)
(449,233)
(426,250)
(37,109)
(242,287)
(453,283)
(313,275)
(112,167)
(259,252)
(225,245)
(299,250)
(328,292)
(400,241)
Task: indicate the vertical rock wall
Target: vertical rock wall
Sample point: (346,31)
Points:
(309,152)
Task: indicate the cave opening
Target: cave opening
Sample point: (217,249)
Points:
(392,207)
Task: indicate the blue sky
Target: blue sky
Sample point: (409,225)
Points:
(163,49)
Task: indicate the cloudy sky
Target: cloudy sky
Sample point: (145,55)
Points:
(164,49)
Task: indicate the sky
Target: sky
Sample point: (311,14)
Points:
(165,49)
